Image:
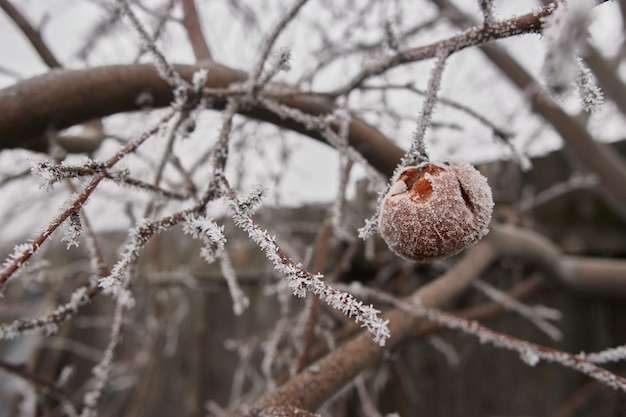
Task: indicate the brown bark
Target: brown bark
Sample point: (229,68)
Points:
(194,32)
(316,384)
(31,109)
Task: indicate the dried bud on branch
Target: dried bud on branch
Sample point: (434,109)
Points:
(434,210)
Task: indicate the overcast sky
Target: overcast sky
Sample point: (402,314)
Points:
(313,167)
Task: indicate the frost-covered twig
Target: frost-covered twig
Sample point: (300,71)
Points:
(530,353)
(279,62)
(270,350)
(219,156)
(300,281)
(616,354)
(575,182)
(591,96)
(255,75)
(113,283)
(565,32)
(417,152)
(12,264)
(163,66)
(487,9)
(50,174)
(240,300)
(139,236)
(49,323)
(102,371)
(536,316)
(477,35)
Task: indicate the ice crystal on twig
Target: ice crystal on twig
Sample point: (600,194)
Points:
(208,231)
(73,229)
(280,61)
(616,354)
(530,353)
(240,300)
(591,96)
(18,251)
(49,322)
(199,79)
(565,32)
(537,316)
(300,281)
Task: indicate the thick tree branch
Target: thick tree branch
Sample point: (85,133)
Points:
(320,381)
(31,109)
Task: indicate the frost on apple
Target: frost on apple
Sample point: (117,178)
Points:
(434,210)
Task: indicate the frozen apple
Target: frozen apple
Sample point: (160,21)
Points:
(435,209)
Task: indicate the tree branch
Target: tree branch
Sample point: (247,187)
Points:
(33,36)
(198,41)
(316,384)
(320,381)
(476,35)
(595,157)
(32,108)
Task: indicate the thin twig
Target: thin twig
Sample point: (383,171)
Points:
(530,353)
(255,75)
(528,23)
(13,263)
(417,153)
(166,70)
(33,36)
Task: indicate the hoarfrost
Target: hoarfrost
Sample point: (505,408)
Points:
(565,32)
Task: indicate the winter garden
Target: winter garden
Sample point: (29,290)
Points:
(312,207)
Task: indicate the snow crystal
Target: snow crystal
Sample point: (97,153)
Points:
(565,32)
(529,356)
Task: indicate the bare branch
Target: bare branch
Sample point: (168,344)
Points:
(56,101)
(339,367)
(328,375)
(595,157)
(12,264)
(34,37)
(198,41)
(477,35)
(271,39)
